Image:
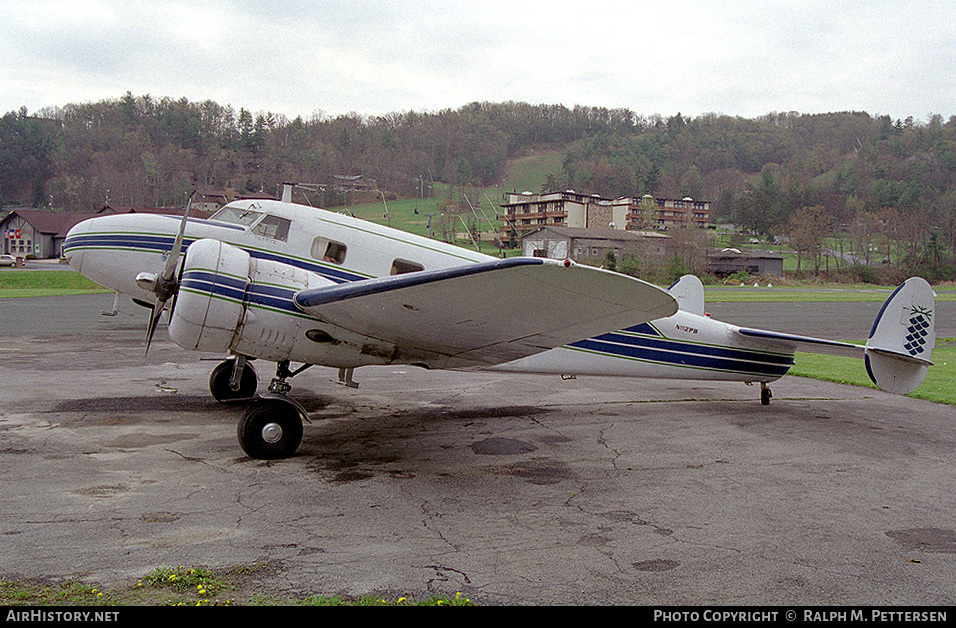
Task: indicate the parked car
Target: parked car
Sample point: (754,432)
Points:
(7,260)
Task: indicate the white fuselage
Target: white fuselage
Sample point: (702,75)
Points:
(292,248)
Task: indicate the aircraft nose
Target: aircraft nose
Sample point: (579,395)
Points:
(71,245)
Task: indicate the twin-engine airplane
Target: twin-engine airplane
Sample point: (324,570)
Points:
(289,284)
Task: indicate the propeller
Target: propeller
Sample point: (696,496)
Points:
(165,285)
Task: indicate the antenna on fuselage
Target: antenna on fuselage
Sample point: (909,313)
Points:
(289,188)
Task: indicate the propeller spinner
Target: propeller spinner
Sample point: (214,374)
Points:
(165,285)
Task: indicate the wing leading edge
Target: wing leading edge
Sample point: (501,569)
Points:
(488,313)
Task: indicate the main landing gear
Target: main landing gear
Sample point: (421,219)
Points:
(233,380)
(271,427)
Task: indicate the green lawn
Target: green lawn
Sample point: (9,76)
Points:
(40,283)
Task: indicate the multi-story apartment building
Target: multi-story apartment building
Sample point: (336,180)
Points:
(664,214)
(526,212)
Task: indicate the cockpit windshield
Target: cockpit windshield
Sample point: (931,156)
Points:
(236,216)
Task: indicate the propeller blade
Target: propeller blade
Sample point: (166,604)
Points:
(153,323)
(167,284)
(179,281)
(173,260)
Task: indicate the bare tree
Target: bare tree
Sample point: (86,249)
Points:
(808,227)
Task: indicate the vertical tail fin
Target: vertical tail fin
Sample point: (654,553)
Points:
(901,343)
(689,292)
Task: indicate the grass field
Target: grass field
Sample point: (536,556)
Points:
(39,283)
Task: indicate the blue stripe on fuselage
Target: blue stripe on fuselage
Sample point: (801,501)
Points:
(661,350)
(162,244)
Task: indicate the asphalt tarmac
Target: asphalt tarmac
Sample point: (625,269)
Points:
(509,489)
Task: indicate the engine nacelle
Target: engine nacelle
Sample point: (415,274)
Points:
(209,305)
(229,301)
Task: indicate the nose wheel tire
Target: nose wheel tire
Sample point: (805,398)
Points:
(270,429)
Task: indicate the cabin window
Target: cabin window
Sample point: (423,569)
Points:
(329,250)
(273,227)
(236,216)
(400,267)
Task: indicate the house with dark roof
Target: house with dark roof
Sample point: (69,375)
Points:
(39,233)
(580,244)
(209,200)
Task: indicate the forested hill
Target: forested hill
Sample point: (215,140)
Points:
(137,150)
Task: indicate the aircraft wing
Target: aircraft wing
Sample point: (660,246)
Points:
(487,313)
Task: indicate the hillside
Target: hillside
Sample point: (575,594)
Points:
(885,185)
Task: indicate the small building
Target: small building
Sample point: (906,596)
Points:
(353,183)
(37,233)
(581,244)
(209,200)
(729,261)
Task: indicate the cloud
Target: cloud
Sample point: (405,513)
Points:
(741,57)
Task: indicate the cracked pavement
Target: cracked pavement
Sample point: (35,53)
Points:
(509,489)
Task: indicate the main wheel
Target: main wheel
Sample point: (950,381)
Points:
(270,429)
(221,376)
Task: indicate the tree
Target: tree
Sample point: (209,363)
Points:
(27,148)
(761,206)
(807,229)
(863,232)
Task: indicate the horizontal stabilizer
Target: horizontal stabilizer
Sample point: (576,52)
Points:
(808,344)
(488,313)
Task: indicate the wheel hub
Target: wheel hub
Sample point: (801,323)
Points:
(272,433)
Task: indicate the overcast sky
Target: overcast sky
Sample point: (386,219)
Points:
(735,57)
